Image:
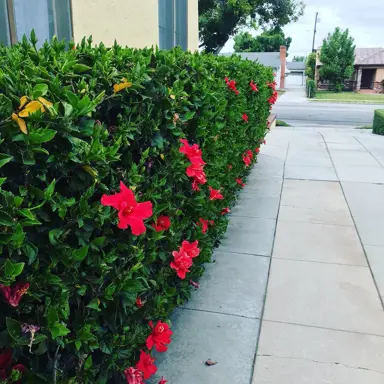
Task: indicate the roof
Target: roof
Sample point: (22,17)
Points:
(296,66)
(269,59)
(369,56)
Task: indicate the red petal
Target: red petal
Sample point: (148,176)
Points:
(143,210)
(136,224)
(112,200)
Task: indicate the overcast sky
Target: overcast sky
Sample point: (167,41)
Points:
(363,18)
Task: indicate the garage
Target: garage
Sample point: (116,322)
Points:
(294,79)
(295,74)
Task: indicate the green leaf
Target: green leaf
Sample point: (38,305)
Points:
(17,269)
(80,254)
(57,330)
(41,135)
(50,189)
(18,236)
(94,304)
(30,250)
(4,159)
(26,213)
(52,316)
(39,90)
(88,363)
(2,180)
(81,68)
(13,328)
(98,241)
(189,115)
(54,236)
(5,219)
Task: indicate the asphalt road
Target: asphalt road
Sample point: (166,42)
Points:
(296,110)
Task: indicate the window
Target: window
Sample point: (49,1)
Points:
(46,17)
(173,23)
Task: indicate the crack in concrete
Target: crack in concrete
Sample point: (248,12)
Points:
(322,362)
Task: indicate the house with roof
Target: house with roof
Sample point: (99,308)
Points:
(368,75)
(274,60)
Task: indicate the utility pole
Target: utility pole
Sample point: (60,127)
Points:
(314,32)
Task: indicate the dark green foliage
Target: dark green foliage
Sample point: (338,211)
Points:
(310,66)
(268,41)
(299,59)
(337,56)
(311,88)
(84,273)
(221,19)
(378,122)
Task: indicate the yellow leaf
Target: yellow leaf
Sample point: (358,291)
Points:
(133,188)
(45,102)
(23,101)
(90,170)
(31,107)
(121,86)
(20,123)
(162,156)
(173,97)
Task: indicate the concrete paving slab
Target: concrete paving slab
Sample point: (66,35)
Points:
(264,186)
(318,242)
(364,198)
(324,346)
(234,284)
(353,158)
(257,206)
(308,158)
(277,151)
(198,336)
(314,202)
(310,173)
(324,295)
(375,256)
(360,174)
(249,235)
(371,229)
(273,370)
(353,146)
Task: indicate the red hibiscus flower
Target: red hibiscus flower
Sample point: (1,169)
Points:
(191,249)
(162,223)
(133,376)
(231,85)
(247,160)
(181,263)
(265,142)
(257,150)
(203,224)
(196,171)
(14,294)
(193,152)
(160,336)
(131,213)
(139,303)
(215,194)
(195,186)
(146,365)
(5,362)
(253,86)
(225,211)
(245,117)
(240,182)
(163,381)
(249,154)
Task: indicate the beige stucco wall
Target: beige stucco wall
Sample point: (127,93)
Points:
(131,22)
(379,74)
(193,25)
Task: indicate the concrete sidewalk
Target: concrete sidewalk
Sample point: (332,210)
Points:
(296,220)
(323,320)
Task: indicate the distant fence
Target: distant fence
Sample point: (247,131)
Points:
(350,85)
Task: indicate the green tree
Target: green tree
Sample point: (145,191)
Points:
(337,56)
(221,19)
(300,59)
(268,41)
(310,66)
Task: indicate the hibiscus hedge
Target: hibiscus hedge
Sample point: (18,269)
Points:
(118,167)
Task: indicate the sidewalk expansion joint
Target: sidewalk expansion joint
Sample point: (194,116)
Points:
(220,313)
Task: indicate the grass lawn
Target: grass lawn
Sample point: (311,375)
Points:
(349,97)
